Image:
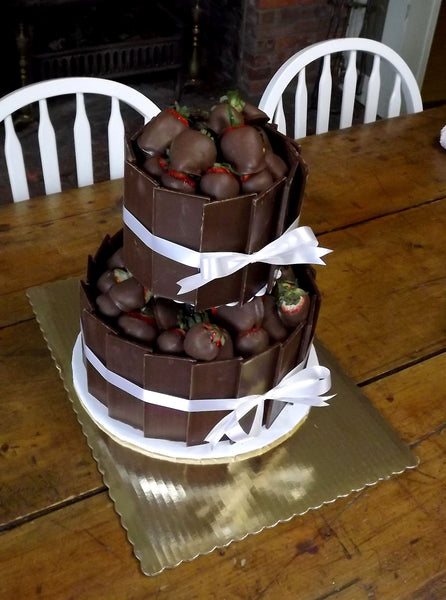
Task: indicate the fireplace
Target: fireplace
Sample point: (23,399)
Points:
(238,43)
(65,38)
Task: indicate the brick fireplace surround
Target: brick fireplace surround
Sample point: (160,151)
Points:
(273,30)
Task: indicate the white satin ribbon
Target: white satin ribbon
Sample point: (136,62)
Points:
(295,246)
(303,385)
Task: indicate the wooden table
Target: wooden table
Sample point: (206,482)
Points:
(376,195)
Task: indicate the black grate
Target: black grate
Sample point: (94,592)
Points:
(116,60)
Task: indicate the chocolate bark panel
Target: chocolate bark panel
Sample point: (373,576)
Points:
(165,423)
(200,424)
(126,358)
(103,252)
(243,224)
(165,275)
(124,407)
(255,276)
(226,224)
(86,297)
(138,258)
(108,247)
(97,385)
(265,209)
(217,292)
(257,377)
(289,357)
(138,193)
(94,270)
(257,373)
(169,215)
(94,331)
(215,379)
(294,189)
(289,352)
(178,217)
(129,150)
(95,334)
(168,374)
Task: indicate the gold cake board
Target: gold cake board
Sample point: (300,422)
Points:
(208,506)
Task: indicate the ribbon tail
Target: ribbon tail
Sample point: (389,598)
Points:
(229,427)
(190,283)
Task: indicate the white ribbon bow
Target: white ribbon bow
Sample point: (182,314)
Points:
(295,246)
(299,386)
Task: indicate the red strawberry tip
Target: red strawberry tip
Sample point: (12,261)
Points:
(176,112)
(222,168)
(249,331)
(142,317)
(182,177)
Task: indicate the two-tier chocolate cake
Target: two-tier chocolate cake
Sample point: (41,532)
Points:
(197,318)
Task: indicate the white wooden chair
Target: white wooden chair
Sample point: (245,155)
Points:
(383,58)
(80,86)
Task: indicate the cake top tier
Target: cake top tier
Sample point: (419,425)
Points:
(218,181)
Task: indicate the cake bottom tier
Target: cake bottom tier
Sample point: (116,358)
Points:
(285,424)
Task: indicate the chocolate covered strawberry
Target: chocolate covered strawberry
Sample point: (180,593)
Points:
(240,317)
(276,165)
(159,132)
(256,183)
(128,295)
(249,112)
(192,152)
(293,302)
(171,341)
(222,116)
(243,148)
(219,183)
(106,306)
(138,326)
(205,341)
(155,166)
(251,342)
(167,313)
(253,114)
(120,292)
(178,181)
(110,277)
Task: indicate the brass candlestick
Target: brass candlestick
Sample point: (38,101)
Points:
(194,64)
(26,113)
